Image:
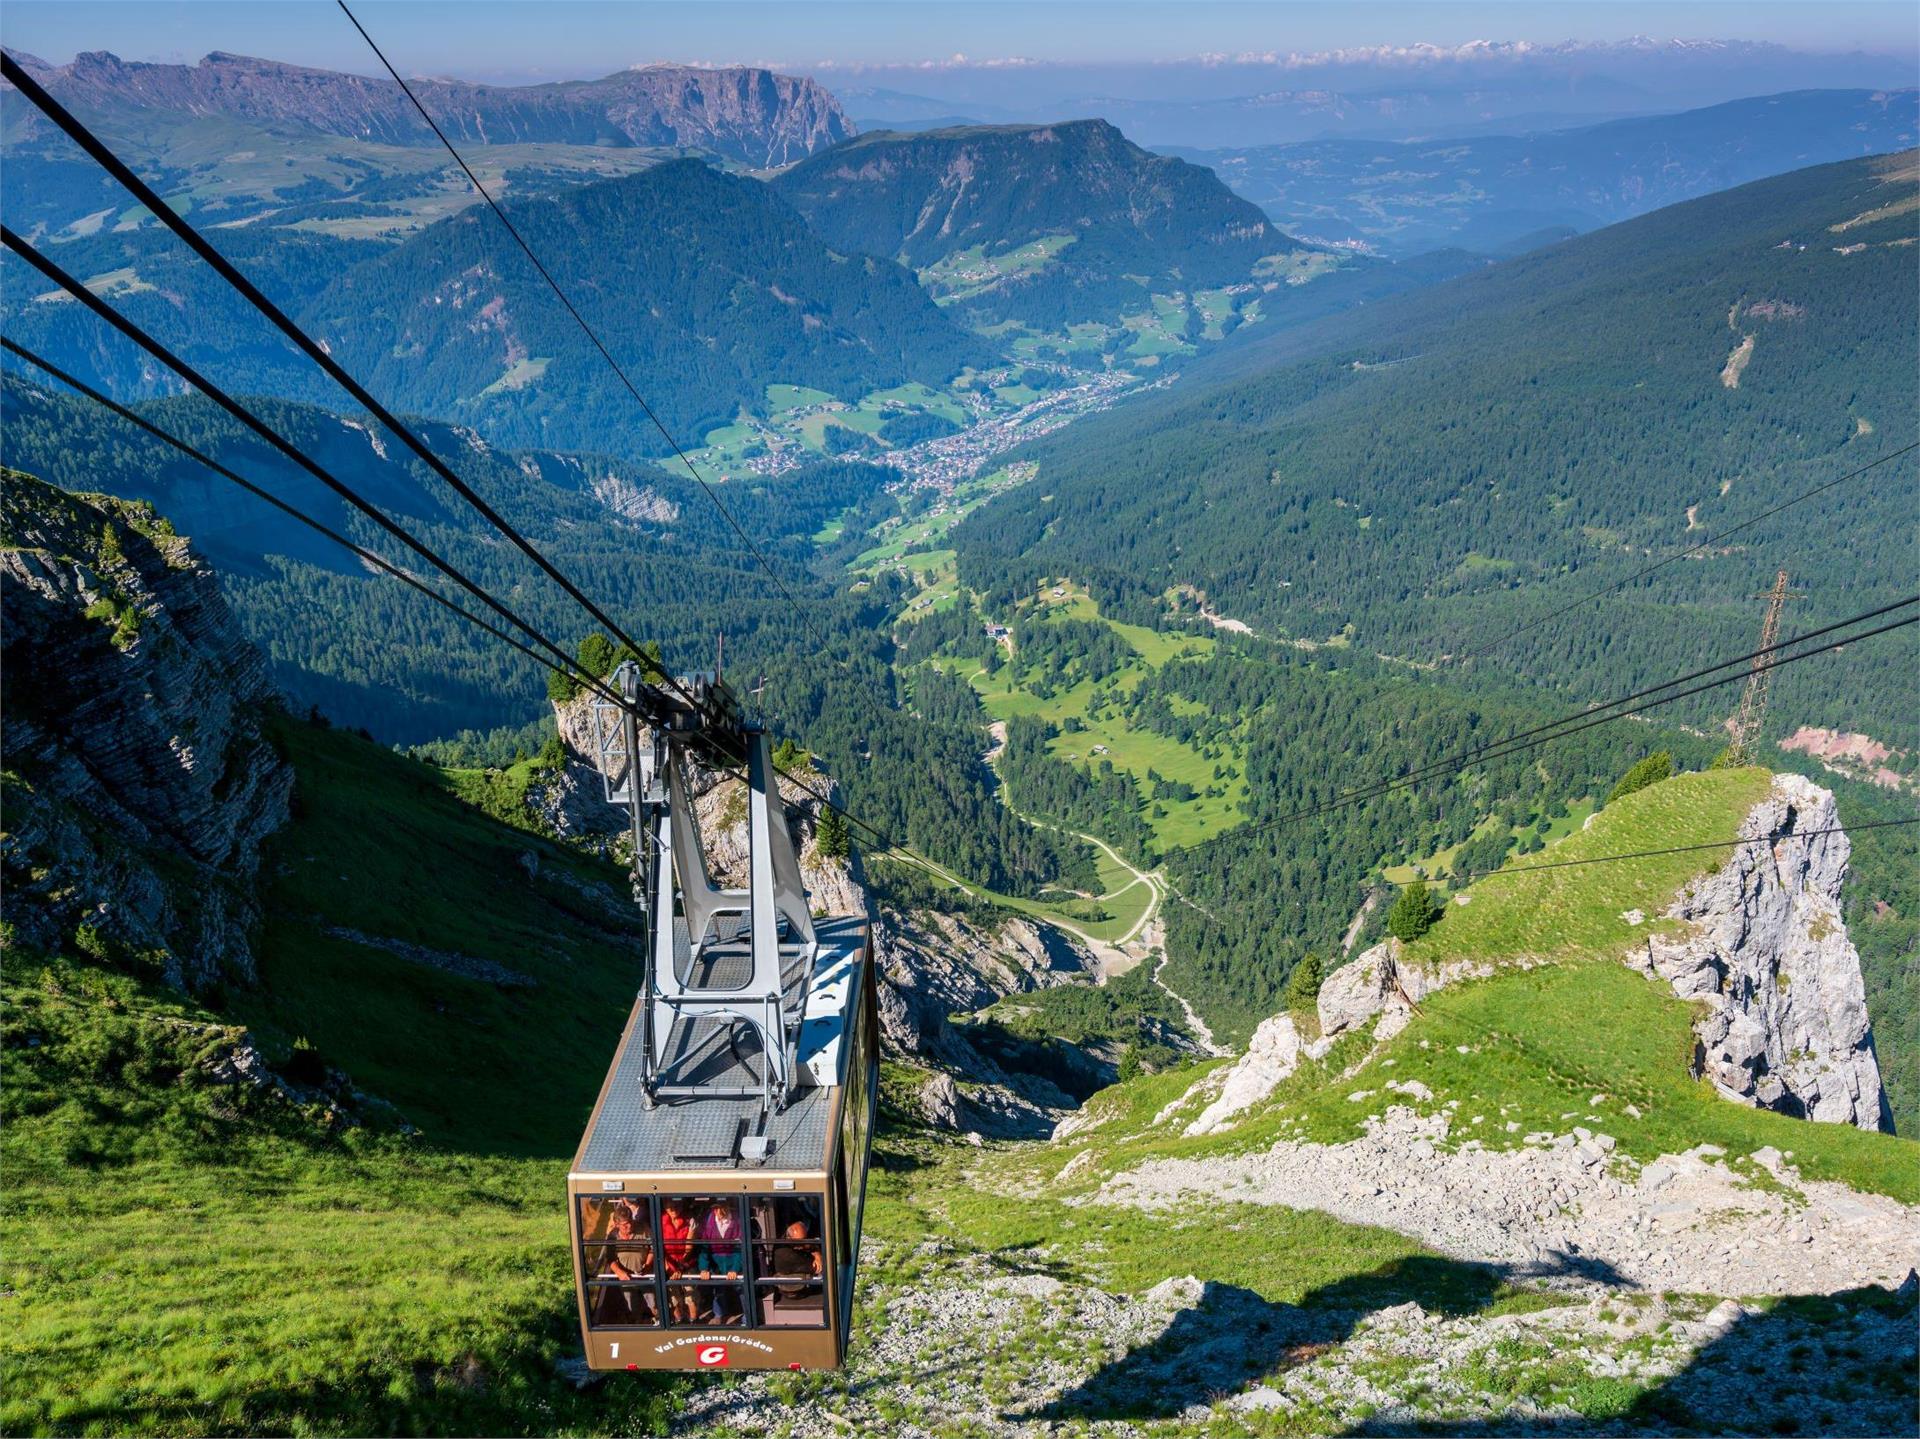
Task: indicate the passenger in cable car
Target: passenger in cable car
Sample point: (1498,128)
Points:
(796,1259)
(722,1255)
(633,1263)
(676,1253)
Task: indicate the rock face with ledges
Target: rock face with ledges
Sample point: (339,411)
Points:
(1786,1026)
(140,782)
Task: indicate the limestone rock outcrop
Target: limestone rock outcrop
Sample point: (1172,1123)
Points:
(1272,1055)
(141,783)
(1377,983)
(1767,954)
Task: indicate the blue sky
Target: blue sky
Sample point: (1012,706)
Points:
(557,39)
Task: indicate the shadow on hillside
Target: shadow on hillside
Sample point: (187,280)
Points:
(1836,1364)
(1229,1337)
(1825,1364)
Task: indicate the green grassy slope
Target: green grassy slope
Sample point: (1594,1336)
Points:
(1534,1046)
(183,1257)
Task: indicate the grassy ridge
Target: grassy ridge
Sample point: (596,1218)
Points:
(1578,1039)
(1569,911)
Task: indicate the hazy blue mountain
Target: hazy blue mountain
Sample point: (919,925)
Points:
(748,114)
(1397,92)
(1484,194)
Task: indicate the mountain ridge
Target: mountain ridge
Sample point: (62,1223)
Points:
(750,114)
(1486,191)
(1128,221)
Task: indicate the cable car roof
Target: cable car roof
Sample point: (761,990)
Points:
(625,1137)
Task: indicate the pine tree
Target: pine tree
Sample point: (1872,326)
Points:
(1651,770)
(1413,913)
(832,838)
(1303,985)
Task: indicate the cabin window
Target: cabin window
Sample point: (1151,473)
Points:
(789,1261)
(619,1259)
(704,1259)
(854,1106)
(703,1246)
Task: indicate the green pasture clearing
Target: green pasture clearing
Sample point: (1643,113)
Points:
(1155,335)
(916,396)
(519,375)
(970,272)
(781,398)
(1136,751)
(1214,306)
(895,537)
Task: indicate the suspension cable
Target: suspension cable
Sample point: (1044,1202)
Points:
(286,447)
(1693,549)
(291,511)
(581,320)
(314,351)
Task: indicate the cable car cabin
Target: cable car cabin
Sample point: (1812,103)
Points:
(705,1238)
(714,1204)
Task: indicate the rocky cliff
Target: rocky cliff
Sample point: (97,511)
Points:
(139,781)
(1783,1013)
(748,114)
(1785,1022)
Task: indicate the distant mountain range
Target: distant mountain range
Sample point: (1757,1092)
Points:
(1486,194)
(1106,221)
(1393,92)
(751,115)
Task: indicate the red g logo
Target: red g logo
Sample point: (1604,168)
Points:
(711,1356)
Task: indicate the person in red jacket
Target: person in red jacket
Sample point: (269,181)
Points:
(676,1253)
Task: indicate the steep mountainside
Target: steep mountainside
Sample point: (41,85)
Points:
(1429,473)
(1115,222)
(752,115)
(1498,1214)
(642,537)
(706,287)
(1493,192)
(139,782)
